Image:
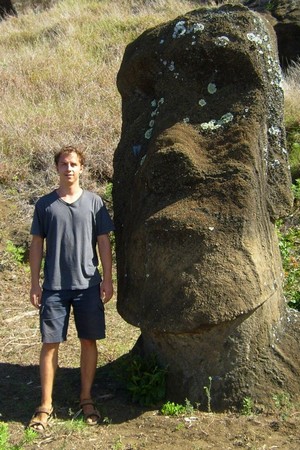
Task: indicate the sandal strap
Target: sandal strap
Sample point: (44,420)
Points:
(87,402)
(42,410)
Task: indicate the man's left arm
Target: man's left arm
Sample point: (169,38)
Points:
(106,287)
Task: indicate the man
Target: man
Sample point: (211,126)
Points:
(73,222)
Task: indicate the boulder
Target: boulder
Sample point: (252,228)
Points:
(200,176)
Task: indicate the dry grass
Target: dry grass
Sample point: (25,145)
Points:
(58,84)
(291,85)
(58,67)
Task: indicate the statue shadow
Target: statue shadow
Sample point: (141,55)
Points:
(20,393)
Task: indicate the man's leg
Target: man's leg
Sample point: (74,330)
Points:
(88,365)
(48,366)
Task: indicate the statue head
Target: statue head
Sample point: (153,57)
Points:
(201,171)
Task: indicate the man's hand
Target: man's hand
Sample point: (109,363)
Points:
(106,290)
(36,296)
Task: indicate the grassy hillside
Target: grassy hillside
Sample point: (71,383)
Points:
(58,84)
(58,67)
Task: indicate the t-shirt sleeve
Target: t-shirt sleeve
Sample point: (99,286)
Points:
(37,228)
(104,223)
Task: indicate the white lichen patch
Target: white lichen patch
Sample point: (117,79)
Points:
(186,120)
(226,118)
(274,131)
(181,29)
(274,164)
(211,88)
(148,133)
(222,41)
(214,124)
(256,38)
(171,66)
(202,102)
(154,104)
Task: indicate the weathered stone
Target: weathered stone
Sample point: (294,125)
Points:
(284,15)
(7,9)
(200,175)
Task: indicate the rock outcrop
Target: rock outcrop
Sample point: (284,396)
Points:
(200,175)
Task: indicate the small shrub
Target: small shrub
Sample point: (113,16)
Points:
(144,379)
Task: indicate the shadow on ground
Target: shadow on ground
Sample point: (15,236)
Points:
(20,392)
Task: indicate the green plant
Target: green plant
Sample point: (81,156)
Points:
(296,187)
(175,409)
(271,5)
(172,409)
(208,394)
(4,436)
(29,436)
(289,240)
(17,252)
(283,404)
(145,380)
(117,445)
(248,406)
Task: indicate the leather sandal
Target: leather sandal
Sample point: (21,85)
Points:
(92,414)
(37,424)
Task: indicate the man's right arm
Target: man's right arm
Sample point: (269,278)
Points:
(35,261)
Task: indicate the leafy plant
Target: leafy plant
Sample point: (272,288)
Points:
(248,406)
(17,252)
(283,404)
(175,409)
(145,380)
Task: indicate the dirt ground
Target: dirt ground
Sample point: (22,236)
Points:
(126,426)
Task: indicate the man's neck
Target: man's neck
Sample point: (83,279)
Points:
(69,193)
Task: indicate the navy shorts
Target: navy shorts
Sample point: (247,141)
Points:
(88,313)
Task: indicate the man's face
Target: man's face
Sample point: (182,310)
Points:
(69,168)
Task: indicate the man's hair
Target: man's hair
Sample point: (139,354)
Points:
(70,149)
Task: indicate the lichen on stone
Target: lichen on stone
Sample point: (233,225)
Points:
(222,41)
(211,88)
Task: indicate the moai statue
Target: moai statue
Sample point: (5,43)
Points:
(200,176)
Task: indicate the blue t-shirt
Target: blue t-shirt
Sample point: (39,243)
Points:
(71,231)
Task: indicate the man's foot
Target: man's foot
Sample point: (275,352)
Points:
(90,413)
(40,419)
